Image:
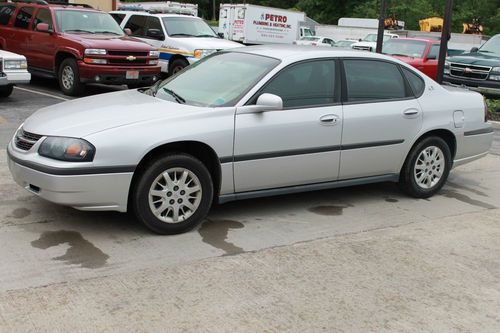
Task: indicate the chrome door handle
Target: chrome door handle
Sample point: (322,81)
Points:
(329,119)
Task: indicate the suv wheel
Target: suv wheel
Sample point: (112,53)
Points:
(173,194)
(5,91)
(426,168)
(176,66)
(69,78)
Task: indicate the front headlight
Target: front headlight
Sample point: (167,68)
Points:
(496,69)
(95,52)
(203,53)
(154,54)
(67,149)
(15,64)
(447,67)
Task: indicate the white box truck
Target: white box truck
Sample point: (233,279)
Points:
(251,24)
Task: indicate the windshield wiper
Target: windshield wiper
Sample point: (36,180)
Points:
(79,30)
(106,32)
(485,51)
(173,35)
(204,36)
(153,89)
(178,98)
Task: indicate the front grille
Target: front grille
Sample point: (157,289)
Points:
(125,62)
(26,140)
(470,71)
(128,53)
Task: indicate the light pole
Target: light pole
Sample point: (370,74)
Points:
(381,25)
(445,36)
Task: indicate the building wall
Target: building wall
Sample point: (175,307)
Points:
(105,5)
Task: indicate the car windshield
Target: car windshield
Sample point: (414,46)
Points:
(217,80)
(310,39)
(406,48)
(492,46)
(343,43)
(370,38)
(187,27)
(83,21)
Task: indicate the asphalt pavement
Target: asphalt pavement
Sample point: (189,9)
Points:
(360,259)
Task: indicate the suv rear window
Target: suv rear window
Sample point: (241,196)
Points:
(6,12)
(23,17)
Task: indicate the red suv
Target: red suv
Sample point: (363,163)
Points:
(76,44)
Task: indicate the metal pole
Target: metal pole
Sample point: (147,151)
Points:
(213,10)
(381,25)
(445,36)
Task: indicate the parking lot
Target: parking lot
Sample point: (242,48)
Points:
(366,258)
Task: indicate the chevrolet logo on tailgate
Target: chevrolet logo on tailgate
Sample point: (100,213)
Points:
(131,58)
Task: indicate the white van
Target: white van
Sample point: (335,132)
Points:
(181,39)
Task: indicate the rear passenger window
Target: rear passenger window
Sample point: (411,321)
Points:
(369,80)
(23,18)
(417,84)
(433,52)
(140,24)
(306,84)
(118,17)
(6,12)
(43,16)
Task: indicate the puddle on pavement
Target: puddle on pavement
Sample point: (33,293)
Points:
(329,210)
(391,200)
(214,233)
(466,199)
(81,251)
(20,213)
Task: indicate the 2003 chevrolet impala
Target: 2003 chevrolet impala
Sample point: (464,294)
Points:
(246,123)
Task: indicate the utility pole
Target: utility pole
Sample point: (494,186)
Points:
(381,25)
(445,36)
(213,10)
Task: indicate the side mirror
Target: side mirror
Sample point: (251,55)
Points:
(43,27)
(474,49)
(265,102)
(127,31)
(155,34)
(220,34)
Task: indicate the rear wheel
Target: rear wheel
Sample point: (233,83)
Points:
(173,194)
(177,65)
(69,78)
(426,168)
(5,91)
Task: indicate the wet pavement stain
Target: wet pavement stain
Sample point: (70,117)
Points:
(391,200)
(329,210)
(466,188)
(21,213)
(466,199)
(214,233)
(81,251)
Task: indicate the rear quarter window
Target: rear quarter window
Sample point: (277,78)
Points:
(23,17)
(417,84)
(6,12)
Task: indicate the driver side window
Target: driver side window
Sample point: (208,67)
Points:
(306,84)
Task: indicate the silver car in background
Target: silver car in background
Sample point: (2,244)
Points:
(246,123)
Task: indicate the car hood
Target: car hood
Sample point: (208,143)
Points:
(205,43)
(364,44)
(477,58)
(85,116)
(110,42)
(6,55)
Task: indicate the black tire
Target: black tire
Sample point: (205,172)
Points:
(141,194)
(5,91)
(70,87)
(408,181)
(177,65)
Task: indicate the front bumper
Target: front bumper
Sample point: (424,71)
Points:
(15,78)
(95,192)
(117,75)
(485,87)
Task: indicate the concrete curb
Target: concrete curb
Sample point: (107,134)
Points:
(495,124)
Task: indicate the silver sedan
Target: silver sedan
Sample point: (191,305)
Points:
(246,123)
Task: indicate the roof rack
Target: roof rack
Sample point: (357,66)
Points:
(45,3)
(37,2)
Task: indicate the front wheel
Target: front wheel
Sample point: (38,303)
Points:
(173,194)
(69,78)
(426,168)
(177,65)
(5,91)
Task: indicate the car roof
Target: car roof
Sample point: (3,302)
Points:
(138,12)
(292,53)
(419,39)
(68,6)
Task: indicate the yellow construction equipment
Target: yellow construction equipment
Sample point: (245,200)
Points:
(431,24)
(473,28)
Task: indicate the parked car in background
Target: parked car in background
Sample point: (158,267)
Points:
(315,41)
(75,44)
(226,129)
(478,70)
(13,70)
(181,39)
(369,43)
(344,44)
(419,53)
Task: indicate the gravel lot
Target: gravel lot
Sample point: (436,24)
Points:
(360,259)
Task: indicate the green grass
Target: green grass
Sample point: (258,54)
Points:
(493,105)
